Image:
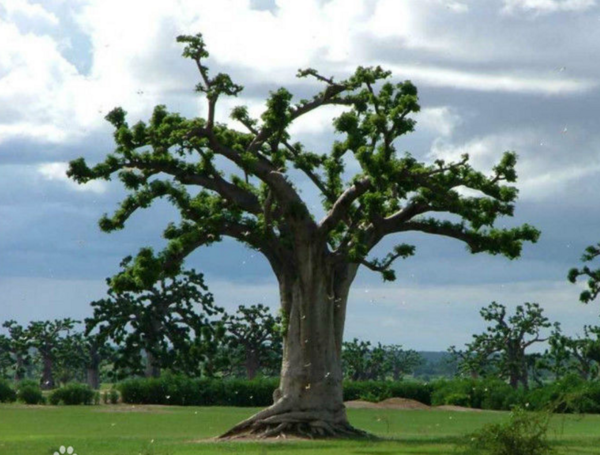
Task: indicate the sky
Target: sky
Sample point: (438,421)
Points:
(493,75)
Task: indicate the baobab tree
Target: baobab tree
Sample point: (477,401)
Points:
(315,261)
(18,346)
(46,336)
(258,333)
(505,342)
(170,322)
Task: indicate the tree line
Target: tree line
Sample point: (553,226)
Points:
(176,326)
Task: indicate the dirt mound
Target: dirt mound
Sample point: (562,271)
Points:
(402,403)
(448,407)
(361,404)
(390,403)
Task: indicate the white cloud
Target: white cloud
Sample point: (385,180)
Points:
(547,6)
(543,168)
(438,120)
(492,81)
(58,172)
(34,12)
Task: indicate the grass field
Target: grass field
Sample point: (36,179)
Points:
(154,430)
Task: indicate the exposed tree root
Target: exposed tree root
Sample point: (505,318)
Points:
(278,422)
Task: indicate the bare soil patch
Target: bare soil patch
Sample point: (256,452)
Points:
(156,409)
(448,407)
(390,403)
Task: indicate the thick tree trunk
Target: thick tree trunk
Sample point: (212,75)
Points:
(19,369)
(152,368)
(93,378)
(47,374)
(309,400)
(93,368)
(252,363)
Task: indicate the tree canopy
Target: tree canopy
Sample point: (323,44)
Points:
(172,323)
(261,207)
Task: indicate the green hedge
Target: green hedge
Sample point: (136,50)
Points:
(183,391)
(72,394)
(476,393)
(568,395)
(7,394)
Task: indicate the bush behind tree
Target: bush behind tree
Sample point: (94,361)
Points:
(7,394)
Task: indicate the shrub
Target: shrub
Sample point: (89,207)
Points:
(525,433)
(29,392)
(7,394)
(457,399)
(113,396)
(476,393)
(72,394)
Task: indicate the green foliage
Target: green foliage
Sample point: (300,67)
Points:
(525,433)
(7,394)
(253,340)
(46,337)
(16,348)
(364,362)
(183,391)
(392,192)
(580,354)
(29,392)
(474,393)
(72,394)
(175,321)
(592,275)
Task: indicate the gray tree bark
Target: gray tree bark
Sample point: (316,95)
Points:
(309,400)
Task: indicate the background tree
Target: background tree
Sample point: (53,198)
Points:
(170,323)
(6,361)
(258,333)
(364,362)
(19,345)
(79,358)
(315,262)
(505,341)
(70,358)
(575,354)
(473,363)
(45,336)
(401,361)
(592,275)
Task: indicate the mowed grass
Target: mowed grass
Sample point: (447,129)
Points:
(170,430)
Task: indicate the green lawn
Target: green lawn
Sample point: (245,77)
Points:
(158,430)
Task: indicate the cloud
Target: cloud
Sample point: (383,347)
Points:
(547,6)
(16,9)
(58,172)
(438,120)
(544,169)
(492,81)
